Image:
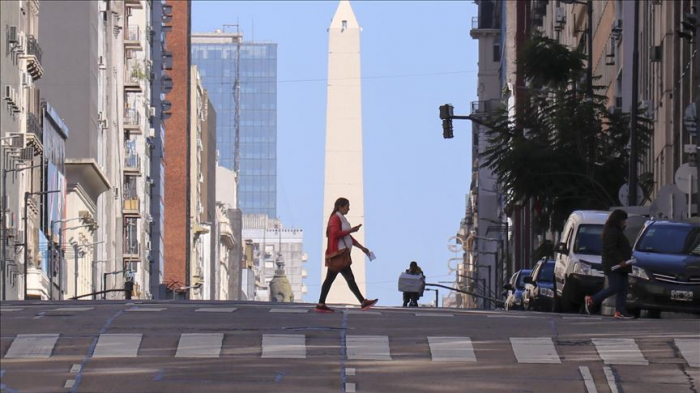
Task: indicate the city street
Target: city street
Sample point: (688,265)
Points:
(169,346)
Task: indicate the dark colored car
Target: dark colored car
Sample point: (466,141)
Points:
(666,276)
(539,287)
(514,295)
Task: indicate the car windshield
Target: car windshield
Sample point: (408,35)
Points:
(521,278)
(670,239)
(546,272)
(589,239)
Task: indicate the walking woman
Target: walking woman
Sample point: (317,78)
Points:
(616,254)
(338,233)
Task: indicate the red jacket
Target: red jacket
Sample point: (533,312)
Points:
(334,233)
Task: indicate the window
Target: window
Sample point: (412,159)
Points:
(589,240)
(496,52)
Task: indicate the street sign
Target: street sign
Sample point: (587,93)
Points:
(623,195)
(687,177)
(671,203)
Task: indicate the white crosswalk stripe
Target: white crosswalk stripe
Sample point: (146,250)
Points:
(284,346)
(451,349)
(32,346)
(534,350)
(619,351)
(199,345)
(690,350)
(118,345)
(289,310)
(612,351)
(216,309)
(367,347)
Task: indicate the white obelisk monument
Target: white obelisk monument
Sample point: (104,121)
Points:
(344,176)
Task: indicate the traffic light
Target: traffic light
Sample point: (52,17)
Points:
(447,129)
(689,26)
(446,114)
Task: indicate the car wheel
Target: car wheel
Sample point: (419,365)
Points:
(656,314)
(567,304)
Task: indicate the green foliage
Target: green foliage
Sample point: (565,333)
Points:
(562,150)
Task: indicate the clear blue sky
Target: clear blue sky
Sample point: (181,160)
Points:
(416,56)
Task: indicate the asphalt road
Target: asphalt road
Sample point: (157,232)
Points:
(261,347)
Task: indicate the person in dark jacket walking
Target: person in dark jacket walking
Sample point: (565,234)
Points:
(617,254)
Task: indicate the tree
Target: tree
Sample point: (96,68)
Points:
(561,149)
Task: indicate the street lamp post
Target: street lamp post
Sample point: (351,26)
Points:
(26,262)
(94,276)
(104,279)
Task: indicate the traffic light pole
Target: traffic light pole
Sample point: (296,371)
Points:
(697,110)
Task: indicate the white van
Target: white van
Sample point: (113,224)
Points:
(578,271)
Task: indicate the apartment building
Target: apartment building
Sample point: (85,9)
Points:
(273,251)
(21,150)
(668,69)
(202,231)
(162,63)
(231,250)
(108,114)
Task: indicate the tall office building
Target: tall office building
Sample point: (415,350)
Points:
(344,177)
(241,79)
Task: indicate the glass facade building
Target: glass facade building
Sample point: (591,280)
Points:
(222,58)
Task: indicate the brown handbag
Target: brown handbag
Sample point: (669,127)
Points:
(339,260)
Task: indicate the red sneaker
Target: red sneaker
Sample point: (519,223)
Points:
(323,308)
(367,304)
(619,315)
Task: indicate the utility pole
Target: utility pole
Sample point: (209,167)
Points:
(632,201)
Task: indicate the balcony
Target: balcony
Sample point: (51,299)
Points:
(35,133)
(133,3)
(134,74)
(132,121)
(33,57)
(480,108)
(131,206)
(132,38)
(131,248)
(132,164)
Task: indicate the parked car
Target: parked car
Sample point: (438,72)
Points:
(539,287)
(666,276)
(578,271)
(514,295)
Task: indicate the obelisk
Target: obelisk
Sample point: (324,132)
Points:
(344,177)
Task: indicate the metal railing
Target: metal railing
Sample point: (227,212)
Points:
(475,22)
(34,126)
(132,203)
(484,107)
(132,161)
(133,33)
(33,48)
(132,117)
(134,72)
(131,247)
